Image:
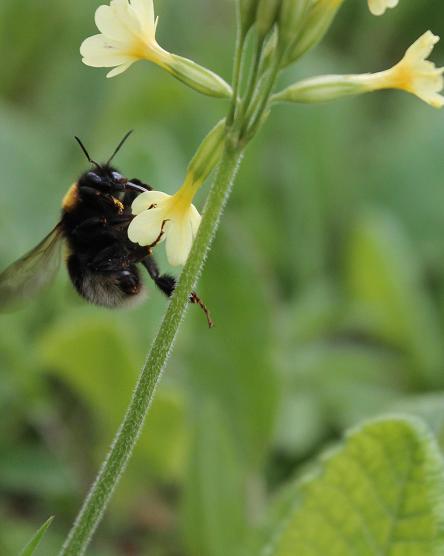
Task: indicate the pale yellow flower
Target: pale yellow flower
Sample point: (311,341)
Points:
(127,34)
(414,73)
(160,217)
(378,7)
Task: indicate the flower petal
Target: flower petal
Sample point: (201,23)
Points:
(378,7)
(112,26)
(422,47)
(144,10)
(179,242)
(145,228)
(119,69)
(127,17)
(98,51)
(195,219)
(145,200)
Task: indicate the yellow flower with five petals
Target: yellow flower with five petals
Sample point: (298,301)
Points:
(160,217)
(414,74)
(128,34)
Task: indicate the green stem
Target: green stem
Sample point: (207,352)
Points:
(254,116)
(253,77)
(237,69)
(126,438)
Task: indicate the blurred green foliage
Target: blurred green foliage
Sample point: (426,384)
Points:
(326,281)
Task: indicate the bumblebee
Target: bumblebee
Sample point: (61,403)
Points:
(102,263)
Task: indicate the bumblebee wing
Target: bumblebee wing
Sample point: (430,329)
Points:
(29,275)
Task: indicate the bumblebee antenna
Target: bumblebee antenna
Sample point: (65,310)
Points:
(119,146)
(85,152)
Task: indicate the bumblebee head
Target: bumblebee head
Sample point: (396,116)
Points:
(104,175)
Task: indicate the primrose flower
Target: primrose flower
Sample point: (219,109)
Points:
(378,7)
(173,218)
(414,74)
(128,34)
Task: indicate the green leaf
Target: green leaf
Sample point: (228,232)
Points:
(429,408)
(214,499)
(241,377)
(386,284)
(332,386)
(379,494)
(33,544)
(102,374)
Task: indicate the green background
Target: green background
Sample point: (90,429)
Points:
(326,280)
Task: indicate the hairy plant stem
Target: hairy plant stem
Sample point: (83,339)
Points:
(237,67)
(125,440)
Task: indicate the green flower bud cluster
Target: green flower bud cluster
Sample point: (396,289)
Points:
(301,24)
(315,19)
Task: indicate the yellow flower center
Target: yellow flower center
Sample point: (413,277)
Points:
(180,202)
(402,77)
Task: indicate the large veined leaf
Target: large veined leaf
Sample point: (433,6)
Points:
(380,494)
(428,407)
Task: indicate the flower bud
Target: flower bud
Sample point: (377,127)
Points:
(267,14)
(247,11)
(292,16)
(197,77)
(317,22)
(208,154)
(270,46)
(322,89)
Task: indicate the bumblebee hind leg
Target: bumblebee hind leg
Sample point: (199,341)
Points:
(167,284)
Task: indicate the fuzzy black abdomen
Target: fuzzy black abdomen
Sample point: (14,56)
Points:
(112,289)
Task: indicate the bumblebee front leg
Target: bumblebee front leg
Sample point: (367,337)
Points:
(101,226)
(167,284)
(99,198)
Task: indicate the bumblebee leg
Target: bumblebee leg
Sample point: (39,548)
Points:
(159,237)
(167,285)
(129,281)
(194,298)
(97,230)
(92,225)
(96,195)
(110,259)
(101,198)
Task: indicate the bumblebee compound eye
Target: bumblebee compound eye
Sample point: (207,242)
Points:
(105,184)
(94,177)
